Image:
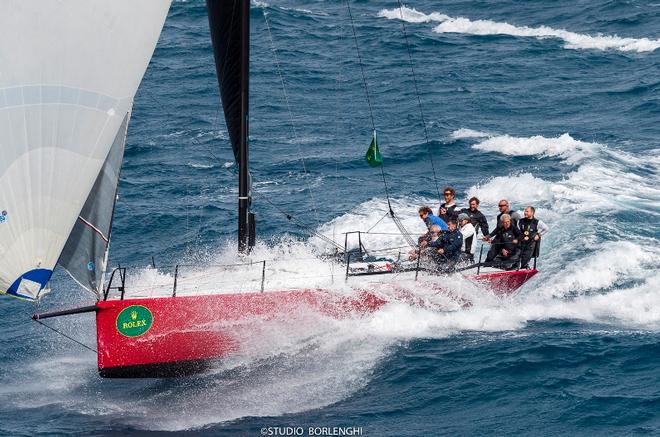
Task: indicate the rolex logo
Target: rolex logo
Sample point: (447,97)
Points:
(134,321)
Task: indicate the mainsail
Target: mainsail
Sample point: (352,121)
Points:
(70,71)
(229,21)
(225,19)
(85,253)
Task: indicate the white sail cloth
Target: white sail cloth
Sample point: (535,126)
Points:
(68,74)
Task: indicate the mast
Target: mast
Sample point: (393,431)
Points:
(244,198)
(229,23)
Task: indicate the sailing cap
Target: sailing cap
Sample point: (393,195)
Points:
(463,216)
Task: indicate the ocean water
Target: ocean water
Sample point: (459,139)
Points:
(553,104)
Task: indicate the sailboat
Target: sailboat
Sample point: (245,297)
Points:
(63,127)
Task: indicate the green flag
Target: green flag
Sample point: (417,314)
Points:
(373,156)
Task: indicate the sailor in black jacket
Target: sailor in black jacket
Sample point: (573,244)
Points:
(504,208)
(531,229)
(504,251)
(447,209)
(477,218)
(448,247)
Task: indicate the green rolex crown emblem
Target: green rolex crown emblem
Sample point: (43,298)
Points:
(134,321)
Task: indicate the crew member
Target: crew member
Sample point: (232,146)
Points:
(504,208)
(469,237)
(477,218)
(448,246)
(434,235)
(531,229)
(504,239)
(426,214)
(448,207)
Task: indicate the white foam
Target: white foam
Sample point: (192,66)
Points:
(468,133)
(412,15)
(602,180)
(572,40)
(522,189)
(260,4)
(564,146)
(201,166)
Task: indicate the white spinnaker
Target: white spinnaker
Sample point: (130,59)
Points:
(68,73)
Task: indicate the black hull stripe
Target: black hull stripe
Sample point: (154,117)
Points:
(158,370)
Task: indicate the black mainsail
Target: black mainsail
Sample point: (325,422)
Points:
(229,22)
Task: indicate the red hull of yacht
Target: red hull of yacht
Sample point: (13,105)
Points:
(174,336)
(505,282)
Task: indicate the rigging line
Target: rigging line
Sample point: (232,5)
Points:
(371,111)
(341,115)
(387,191)
(288,107)
(419,100)
(376,224)
(287,215)
(364,79)
(302,225)
(404,232)
(66,336)
(194,140)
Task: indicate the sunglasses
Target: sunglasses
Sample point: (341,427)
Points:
(448,194)
(502,205)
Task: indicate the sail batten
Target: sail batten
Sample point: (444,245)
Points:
(70,72)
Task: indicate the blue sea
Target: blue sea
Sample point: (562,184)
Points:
(551,104)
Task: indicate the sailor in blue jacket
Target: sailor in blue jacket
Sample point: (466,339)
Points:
(426,214)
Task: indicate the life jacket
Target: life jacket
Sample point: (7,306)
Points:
(468,244)
(451,212)
(468,241)
(477,219)
(529,228)
(505,238)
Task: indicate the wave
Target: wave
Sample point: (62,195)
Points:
(200,166)
(468,133)
(604,179)
(572,40)
(264,5)
(564,146)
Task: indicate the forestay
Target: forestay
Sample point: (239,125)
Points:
(69,73)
